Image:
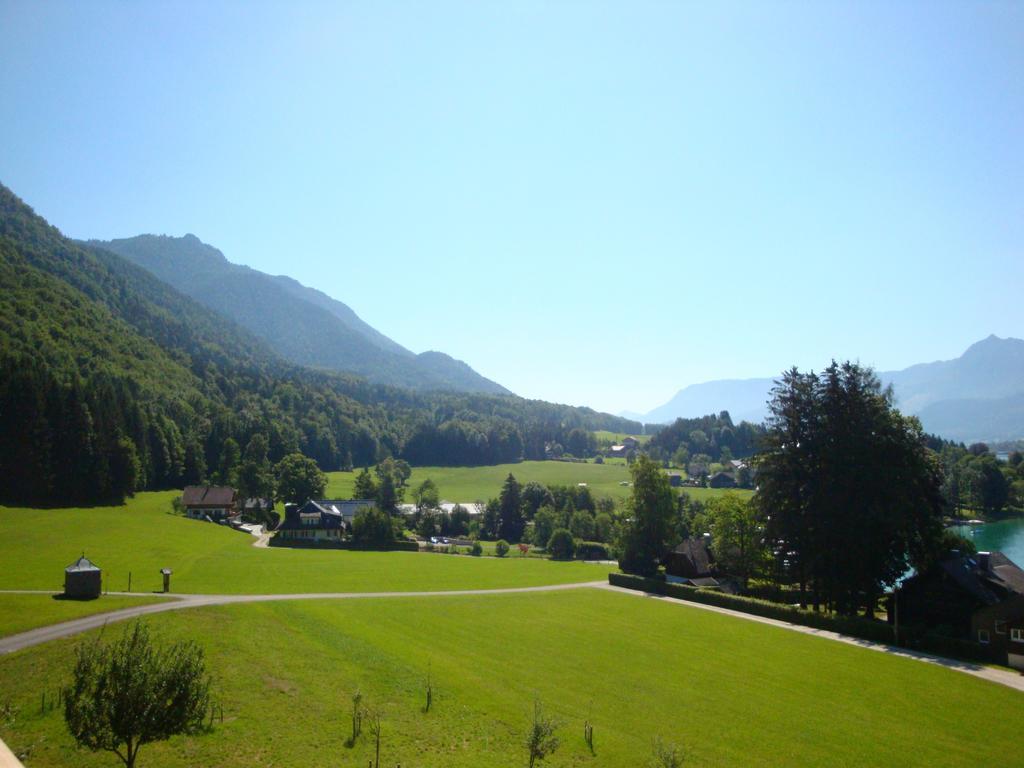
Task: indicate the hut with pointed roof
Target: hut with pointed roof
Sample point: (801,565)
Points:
(82,579)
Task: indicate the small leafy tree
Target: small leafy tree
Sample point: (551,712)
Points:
(131,692)
(372,529)
(429,692)
(357,717)
(666,755)
(561,545)
(365,487)
(541,740)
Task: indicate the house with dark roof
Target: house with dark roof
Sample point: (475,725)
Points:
(217,503)
(691,563)
(977,596)
(721,480)
(323,520)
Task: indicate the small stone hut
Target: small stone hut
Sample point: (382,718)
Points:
(82,579)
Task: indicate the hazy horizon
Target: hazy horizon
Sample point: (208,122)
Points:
(588,204)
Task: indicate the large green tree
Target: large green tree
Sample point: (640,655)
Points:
(848,486)
(650,513)
(737,536)
(299,479)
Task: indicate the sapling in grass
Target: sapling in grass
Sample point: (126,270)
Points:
(541,740)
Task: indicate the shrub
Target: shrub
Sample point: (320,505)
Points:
(372,529)
(561,545)
(599,459)
(501,547)
(591,550)
(476,550)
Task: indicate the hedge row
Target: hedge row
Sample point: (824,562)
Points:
(591,550)
(865,629)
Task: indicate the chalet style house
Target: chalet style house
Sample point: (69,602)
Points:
(690,563)
(721,480)
(216,503)
(324,520)
(978,596)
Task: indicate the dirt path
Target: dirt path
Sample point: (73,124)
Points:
(994,675)
(177,602)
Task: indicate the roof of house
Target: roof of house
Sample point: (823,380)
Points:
(1000,580)
(693,552)
(81,564)
(324,513)
(444,506)
(208,496)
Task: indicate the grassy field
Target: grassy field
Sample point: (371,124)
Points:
(143,536)
(469,484)
(618,437)
(19,613)
(730,691)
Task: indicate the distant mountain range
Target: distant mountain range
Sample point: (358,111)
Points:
(977,396)
(301,324)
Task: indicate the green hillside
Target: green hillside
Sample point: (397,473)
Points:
(110,380)
(469,484)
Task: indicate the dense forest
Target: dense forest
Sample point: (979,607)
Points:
(714,437)
(111,381)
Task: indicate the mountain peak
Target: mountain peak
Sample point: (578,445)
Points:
(993,345)
(303,325)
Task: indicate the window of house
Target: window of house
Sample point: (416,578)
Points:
(1000,627)
(983,636)
(1017,635)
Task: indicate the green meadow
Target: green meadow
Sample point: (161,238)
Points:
(144,536)
(603,435)
(19,613)
(731,692)
(471,484)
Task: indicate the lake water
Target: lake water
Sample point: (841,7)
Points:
(1006,536)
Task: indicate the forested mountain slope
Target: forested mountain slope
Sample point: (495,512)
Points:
(301,324)
(112,381)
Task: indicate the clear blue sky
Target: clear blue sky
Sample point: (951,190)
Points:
(589,203)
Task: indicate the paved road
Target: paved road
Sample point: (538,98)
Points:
(1003,677)
(177,602)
